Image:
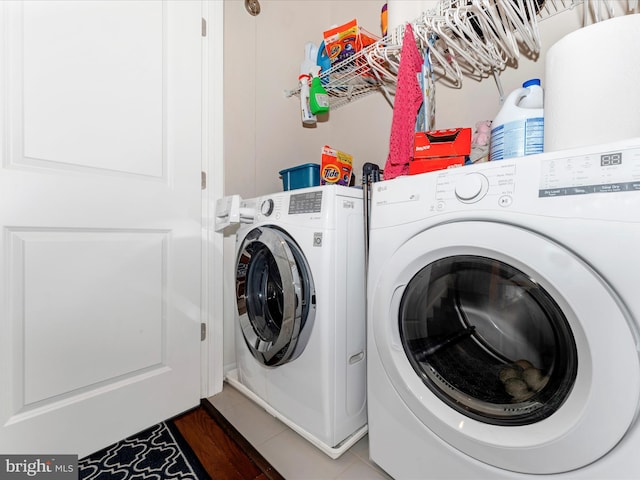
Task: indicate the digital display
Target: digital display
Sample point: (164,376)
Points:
(310,202)
(611,159)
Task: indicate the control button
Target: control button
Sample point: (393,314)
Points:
(267,207)
(505,200)
(472,187)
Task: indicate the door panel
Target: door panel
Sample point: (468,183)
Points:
(91,97)
(100,211)
(70,285)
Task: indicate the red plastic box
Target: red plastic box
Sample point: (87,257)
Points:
(454,142)
(432,164)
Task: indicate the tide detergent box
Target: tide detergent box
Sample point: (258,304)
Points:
(336,167)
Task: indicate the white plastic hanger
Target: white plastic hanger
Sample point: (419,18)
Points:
(464,40)
(494,30)
(522,15)
(379,62)
(503,35)
(477,39)
(438,49)
(493,41)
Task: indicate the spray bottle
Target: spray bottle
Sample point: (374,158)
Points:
(306,68)
(318,96)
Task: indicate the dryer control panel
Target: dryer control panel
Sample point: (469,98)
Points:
(613,171)
(496,179)
(564,184)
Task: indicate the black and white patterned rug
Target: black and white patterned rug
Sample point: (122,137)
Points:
(158,453)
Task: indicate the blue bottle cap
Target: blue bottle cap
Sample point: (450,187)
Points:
(533,81)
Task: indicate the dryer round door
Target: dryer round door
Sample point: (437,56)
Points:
(507,346)
(275,296)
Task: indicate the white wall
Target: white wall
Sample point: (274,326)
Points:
(263,131)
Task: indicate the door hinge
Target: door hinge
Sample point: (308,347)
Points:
(203,180)
(204,27)
(203,332)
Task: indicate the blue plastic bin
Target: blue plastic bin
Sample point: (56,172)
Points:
(301,176)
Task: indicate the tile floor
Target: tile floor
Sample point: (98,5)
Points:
(293,456)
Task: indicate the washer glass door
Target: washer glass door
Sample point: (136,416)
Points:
(488,340)
(275,296)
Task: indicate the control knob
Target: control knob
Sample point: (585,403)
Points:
(472,187)
(266,208)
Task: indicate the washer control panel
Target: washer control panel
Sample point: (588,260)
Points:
(308,202)
(266,208)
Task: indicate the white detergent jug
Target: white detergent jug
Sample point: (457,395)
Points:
(518,129)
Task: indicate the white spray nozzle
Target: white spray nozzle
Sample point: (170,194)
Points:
(310,57)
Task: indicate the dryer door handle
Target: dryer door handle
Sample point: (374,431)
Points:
(394,306)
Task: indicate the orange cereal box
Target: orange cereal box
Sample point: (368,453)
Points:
(336,167)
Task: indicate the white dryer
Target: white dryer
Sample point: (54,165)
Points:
(300,319)
(503,318)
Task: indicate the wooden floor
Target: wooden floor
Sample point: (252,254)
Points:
(223,452)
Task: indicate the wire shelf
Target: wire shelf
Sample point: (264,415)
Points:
(353,79)
(464,38)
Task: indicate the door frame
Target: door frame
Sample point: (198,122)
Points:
(212,356)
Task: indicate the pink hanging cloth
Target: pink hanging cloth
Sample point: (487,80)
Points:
(405,108)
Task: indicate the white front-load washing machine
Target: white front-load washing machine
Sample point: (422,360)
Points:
(300,318)
(503,318)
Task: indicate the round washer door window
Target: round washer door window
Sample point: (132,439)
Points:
(275,296)
(464,306)
(488,340)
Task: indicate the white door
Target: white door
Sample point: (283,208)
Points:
(100,211)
